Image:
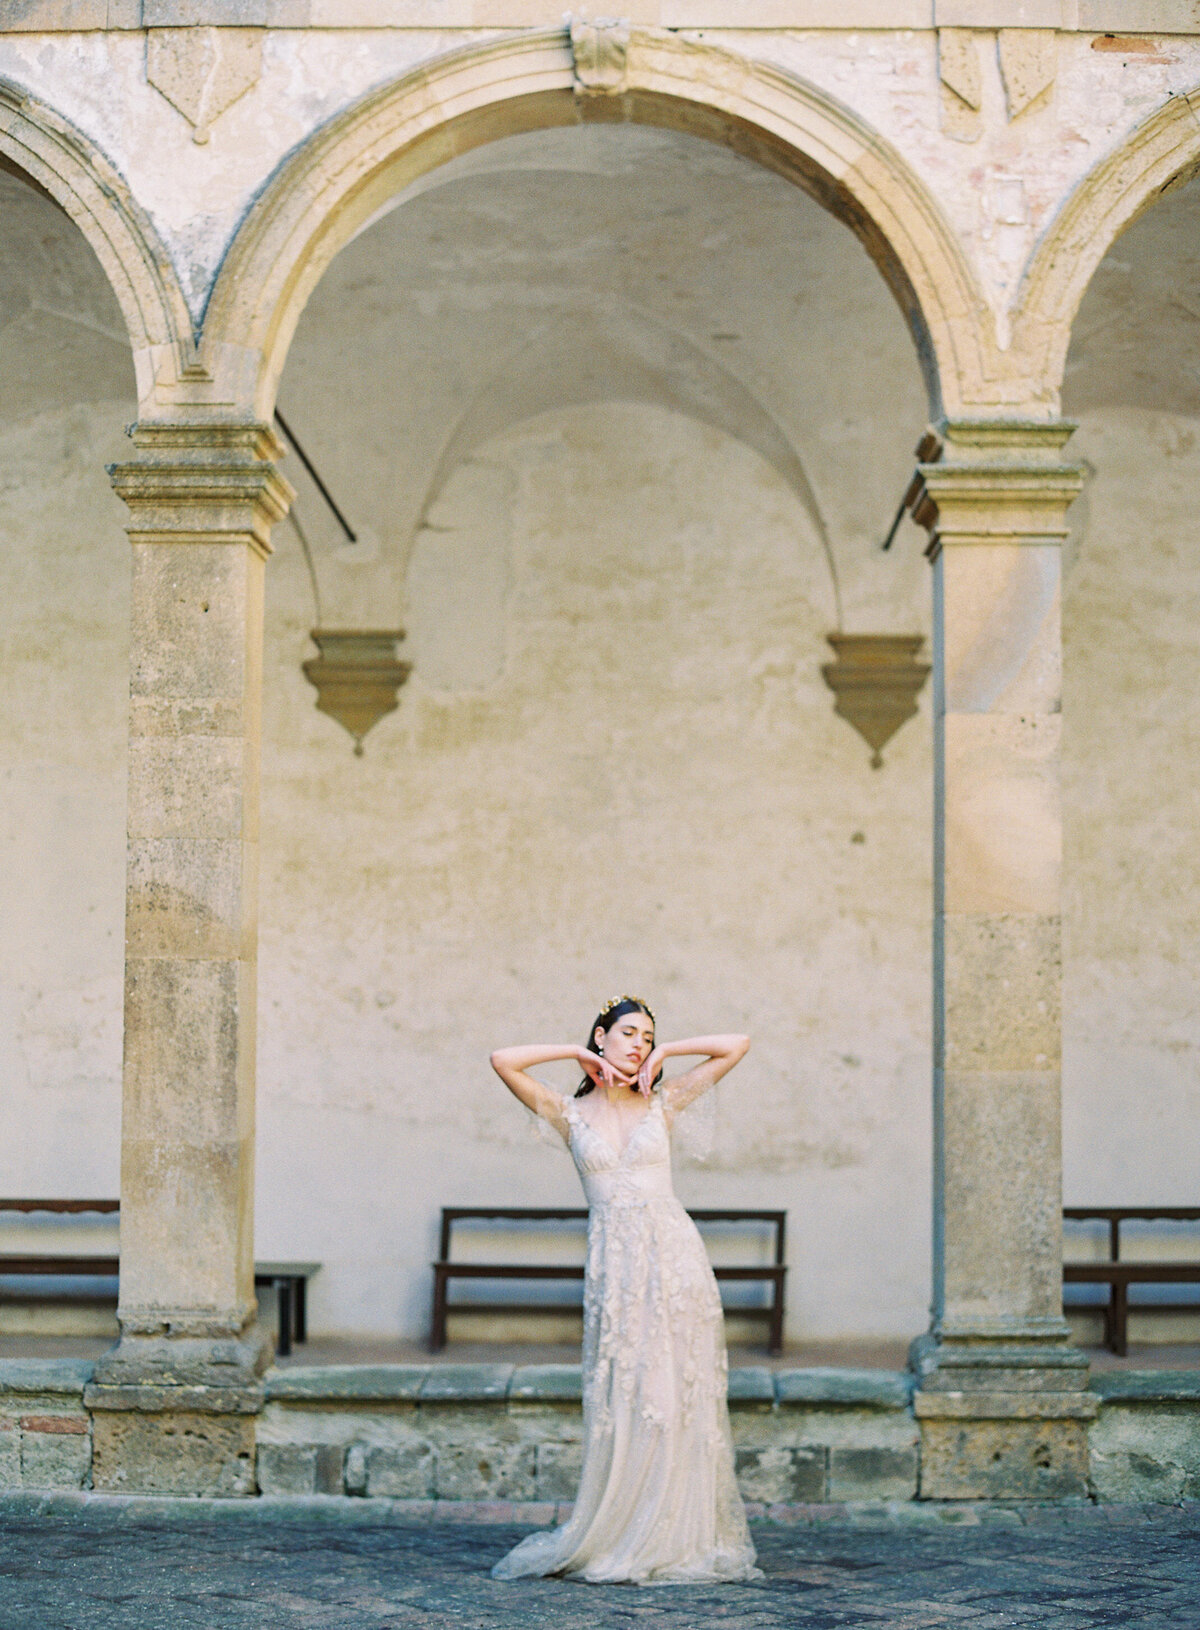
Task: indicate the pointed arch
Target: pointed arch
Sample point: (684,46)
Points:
(336,180)
(42,146)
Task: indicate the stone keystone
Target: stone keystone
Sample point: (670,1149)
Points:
(600,49)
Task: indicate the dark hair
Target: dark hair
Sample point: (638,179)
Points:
(605,1020)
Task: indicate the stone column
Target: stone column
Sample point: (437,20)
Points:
(174,1402)
(1002,1399)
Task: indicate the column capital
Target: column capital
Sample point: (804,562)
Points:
(198,483)
(995,481)
(1001,441)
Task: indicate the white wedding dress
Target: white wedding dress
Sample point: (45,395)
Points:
(657,1501)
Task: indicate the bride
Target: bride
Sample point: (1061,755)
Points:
(657,1501)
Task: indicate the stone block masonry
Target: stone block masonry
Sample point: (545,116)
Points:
(505,1435)
(45,1432)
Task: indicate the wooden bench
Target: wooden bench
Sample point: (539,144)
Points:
(445,1269)
(288,1279)
(1119,1275)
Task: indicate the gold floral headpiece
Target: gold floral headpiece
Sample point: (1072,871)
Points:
(616,1001)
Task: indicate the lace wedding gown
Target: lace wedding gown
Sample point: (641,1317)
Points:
(657,1501)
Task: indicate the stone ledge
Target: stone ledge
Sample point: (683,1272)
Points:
(498,1384)
(467,1384)
(148,1398)
(1147,1386)
(853,1389)
(65,1376)
(355,1383)
(750,1387)
(546,1383)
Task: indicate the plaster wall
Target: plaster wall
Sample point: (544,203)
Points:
(1131,1043)
(617,767)
(66,392)
(65,591)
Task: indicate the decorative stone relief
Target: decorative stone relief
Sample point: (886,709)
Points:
(203,71)
(357,676)
(600,49)
(1028,60)
(876,680)
(961,83)
(1028,64)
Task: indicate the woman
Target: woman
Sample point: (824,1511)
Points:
(657,1501)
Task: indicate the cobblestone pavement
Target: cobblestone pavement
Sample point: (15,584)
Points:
(362,1565)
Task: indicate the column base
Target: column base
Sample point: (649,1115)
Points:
(177,1414)
(1003,1419)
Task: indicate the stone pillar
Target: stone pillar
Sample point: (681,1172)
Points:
(174,1402)
(1002,1400)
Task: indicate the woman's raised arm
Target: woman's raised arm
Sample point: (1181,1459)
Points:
(720,1054)
(512,1065)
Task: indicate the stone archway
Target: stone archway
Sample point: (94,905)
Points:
(352,167)
(1160,152)
(39,144)
(994,499)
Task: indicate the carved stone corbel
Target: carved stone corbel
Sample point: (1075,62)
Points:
(600,48)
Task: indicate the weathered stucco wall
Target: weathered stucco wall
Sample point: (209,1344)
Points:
(1131,1127)
(65,395)
(617,765)
(648,791)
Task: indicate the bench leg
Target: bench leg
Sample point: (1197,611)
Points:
(776,1337)
(437,1333)
(300,1308)
(1120,1320)
(283,1300)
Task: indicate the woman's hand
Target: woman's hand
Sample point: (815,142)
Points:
(601,1072)
(645,1076)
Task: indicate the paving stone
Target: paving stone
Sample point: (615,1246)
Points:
(80,1562)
